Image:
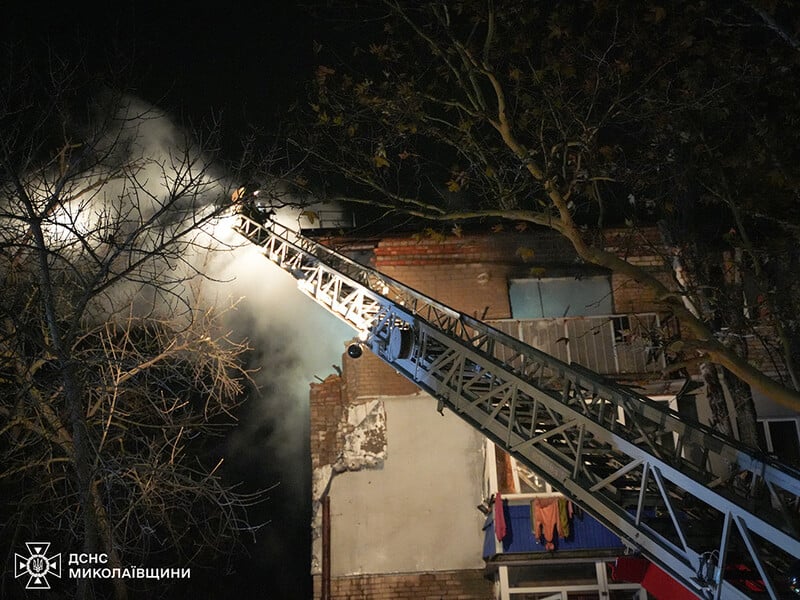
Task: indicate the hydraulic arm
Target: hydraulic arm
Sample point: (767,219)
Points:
(689,499)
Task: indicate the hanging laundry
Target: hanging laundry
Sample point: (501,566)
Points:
(546,520)
(564,517)
(499,518)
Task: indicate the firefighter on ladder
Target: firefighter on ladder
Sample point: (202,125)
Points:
(246,201)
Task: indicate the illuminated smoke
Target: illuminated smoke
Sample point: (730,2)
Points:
(293,339)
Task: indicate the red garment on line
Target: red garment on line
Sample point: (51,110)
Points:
(499,518)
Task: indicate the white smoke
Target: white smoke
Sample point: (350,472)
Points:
(294,340)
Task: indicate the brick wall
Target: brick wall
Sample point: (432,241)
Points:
(505,476)
(471,273)
(504,246)
(630,296)
(766,353)
(327,409)
(642,247)
(454,585)
(368,377)
(478,290)
(362,379)
(636,245)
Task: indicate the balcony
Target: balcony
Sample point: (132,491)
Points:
(629,345)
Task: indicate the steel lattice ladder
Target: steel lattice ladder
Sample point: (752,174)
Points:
(688,499)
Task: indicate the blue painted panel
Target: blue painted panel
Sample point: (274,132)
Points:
(560,297)
(586,533)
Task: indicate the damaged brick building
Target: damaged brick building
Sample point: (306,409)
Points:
(403,494)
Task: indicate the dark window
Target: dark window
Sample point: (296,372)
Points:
(785,444)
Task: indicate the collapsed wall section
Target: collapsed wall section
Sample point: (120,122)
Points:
(348,426)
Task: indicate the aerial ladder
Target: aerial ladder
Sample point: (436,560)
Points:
(687,498)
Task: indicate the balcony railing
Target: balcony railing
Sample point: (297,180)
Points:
(630,344)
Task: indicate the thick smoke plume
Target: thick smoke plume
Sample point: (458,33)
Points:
(293,340)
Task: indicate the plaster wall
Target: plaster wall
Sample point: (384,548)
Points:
(418,512)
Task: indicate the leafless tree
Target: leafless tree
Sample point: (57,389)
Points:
(115,378)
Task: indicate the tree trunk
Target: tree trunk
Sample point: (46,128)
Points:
(82,463)
(742,396)
(746,418)
(81,454)
(106,536)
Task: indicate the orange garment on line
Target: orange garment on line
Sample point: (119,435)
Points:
(550,514)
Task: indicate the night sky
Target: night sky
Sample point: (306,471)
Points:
(245,65)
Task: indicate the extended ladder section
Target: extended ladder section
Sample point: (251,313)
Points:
(719,517)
